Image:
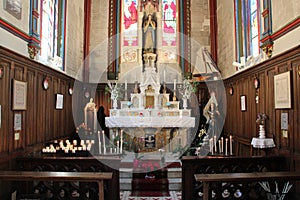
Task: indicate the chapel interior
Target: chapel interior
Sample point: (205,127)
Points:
(149,99)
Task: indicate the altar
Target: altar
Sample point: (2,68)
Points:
(149,120)
(152,129)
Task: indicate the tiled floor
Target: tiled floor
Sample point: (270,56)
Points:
(174,195)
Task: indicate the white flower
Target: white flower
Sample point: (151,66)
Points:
(186,89)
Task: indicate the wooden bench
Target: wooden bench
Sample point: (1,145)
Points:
(206,179)
(98,177)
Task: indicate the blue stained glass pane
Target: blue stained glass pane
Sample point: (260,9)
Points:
(253,5)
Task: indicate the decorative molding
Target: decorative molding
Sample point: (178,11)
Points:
(284,30)
(17,32)
(33,49)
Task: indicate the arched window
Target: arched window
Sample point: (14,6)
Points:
(52,33)
(126,20)
(130,25)
(247,28)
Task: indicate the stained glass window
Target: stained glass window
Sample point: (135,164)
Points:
(247,28)
(130,18)
(169,13)
(52,32)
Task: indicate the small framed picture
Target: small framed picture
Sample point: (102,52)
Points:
(59,101)
(19,95)
(243,103)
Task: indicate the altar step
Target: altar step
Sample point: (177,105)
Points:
(174,178)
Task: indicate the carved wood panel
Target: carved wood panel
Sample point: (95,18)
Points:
(243,124)
(40,120)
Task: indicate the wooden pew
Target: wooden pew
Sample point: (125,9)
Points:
(98,177)
(225,164)
(206,179)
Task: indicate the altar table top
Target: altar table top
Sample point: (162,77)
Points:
(156,122)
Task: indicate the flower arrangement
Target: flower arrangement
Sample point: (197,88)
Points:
(261,118)
(187,88)
(116,90)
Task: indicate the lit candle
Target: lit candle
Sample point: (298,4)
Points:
(220,150)
(125,85)
(230,144)
(226,148)
(164,76)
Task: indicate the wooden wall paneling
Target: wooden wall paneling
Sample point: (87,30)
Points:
(243,85)
(30,129)
(62,119)
(295,135)
(54,116)
(41,108)
(5,106)
(68,107)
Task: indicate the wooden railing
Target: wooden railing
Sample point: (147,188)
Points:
(207,179)
(98,177)
(41,163)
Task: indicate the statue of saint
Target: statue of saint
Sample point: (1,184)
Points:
(149,27)
(212,114)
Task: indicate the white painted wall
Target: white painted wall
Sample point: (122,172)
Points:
(74,38)
(283,13)
(9,40)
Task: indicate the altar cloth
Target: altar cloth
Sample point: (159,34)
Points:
(262,143)
(155,122)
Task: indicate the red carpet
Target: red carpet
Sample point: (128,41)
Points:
(150,193)
(168,165)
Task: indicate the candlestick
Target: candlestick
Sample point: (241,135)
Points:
(230,144)
(226,148)
(174,84)
(222,144)
(211,149)
(103,136)
(121,141)
(118,148)
(99,141)
(215,143)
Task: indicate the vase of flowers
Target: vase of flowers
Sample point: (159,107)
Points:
(261,118)
(186,90)
(116,92)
